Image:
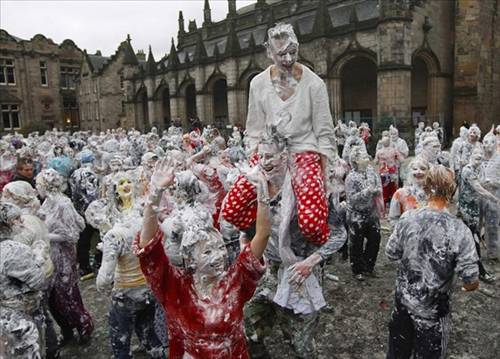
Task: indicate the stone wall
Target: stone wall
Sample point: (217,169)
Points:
(41,107)
(476,85)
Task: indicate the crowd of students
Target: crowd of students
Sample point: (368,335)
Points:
(205,243)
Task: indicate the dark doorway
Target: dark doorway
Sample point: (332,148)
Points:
(359,90)
(167,120)
(419,85)
(220,104)
(190,101)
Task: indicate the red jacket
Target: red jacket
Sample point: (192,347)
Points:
(202,328)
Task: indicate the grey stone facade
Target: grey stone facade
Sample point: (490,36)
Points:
(404,49)
(101,88)
(37,83)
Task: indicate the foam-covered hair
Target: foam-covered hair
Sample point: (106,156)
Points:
(61,164)
(50,180)
(440,182)
(476,130)
(198,225)
(22,194)
(281,31)
(8,212)
(356,151)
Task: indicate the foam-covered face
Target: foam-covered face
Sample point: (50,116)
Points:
(394,134)
(473,135)
(224,157)
(124,187)
(476,159)
(433,149)
(435,125)
(284,52)
(385,141)
(48,181)
(269,157)
(272,162)
(210,256)
(149,161)
(178,160)
(489,143)
(419,169)
(115,165)
(362,160)
(69,152)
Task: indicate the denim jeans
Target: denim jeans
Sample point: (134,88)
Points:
(130,313)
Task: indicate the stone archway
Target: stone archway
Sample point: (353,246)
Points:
(428,85)
(340,93)
(358,87)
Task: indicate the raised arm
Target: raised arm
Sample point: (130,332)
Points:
(473,180)
(163,177)
(263,223)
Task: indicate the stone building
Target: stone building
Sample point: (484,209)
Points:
(386,61)
(100,88)
(37,83)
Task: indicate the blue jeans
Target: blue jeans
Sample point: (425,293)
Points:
(137,314)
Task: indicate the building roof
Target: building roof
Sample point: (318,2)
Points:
(341,13)
(251,7)
(97,61)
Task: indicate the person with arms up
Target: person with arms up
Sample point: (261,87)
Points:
(203,301)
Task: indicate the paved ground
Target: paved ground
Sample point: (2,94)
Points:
(356,325)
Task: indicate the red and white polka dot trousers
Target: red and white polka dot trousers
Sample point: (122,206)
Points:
(240,205)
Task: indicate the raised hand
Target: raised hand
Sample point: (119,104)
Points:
(163,174)
(258,179)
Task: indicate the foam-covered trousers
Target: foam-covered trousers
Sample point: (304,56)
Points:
(65,300)
(363,255)
(417,339)
(240,205)
(491,217)
(129,314)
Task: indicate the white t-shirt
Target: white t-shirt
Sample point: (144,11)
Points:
(311,126)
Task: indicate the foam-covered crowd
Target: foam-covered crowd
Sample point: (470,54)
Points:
(204,242)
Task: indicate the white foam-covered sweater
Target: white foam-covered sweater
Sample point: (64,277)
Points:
(311,126)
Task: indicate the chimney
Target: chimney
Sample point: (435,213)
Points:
(141,55)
